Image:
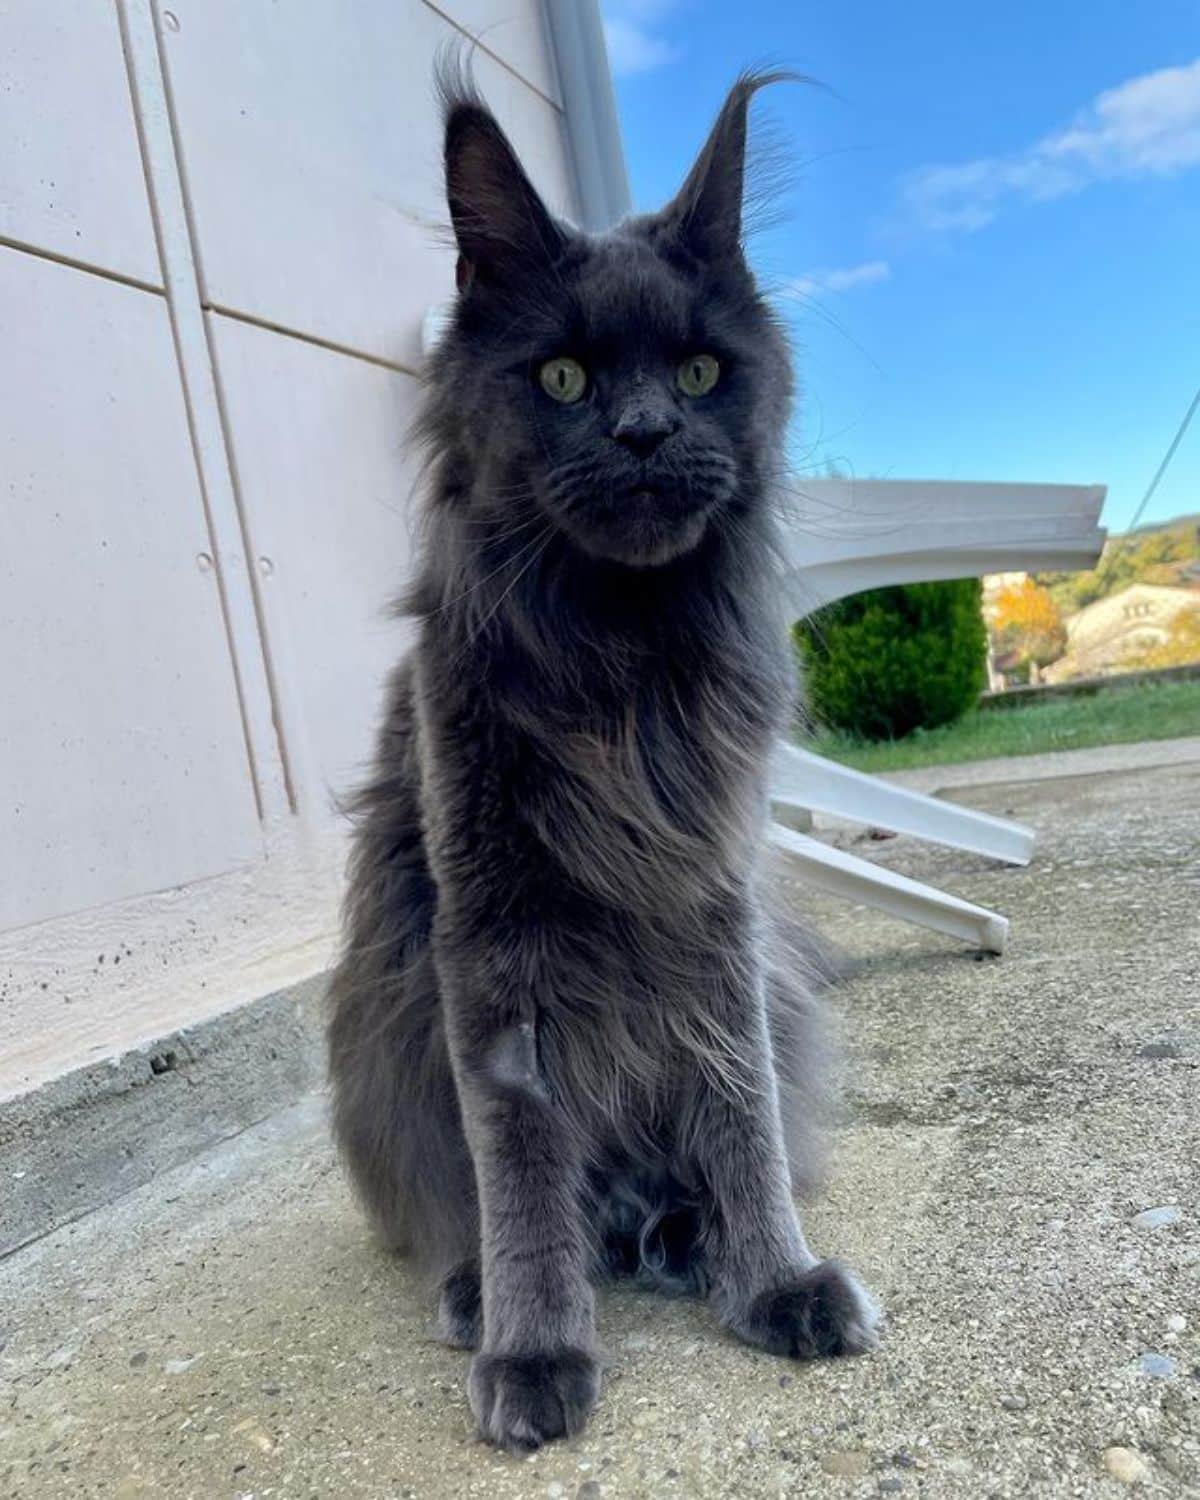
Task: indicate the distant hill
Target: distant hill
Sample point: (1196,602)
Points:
(1164,552)
(1150,526)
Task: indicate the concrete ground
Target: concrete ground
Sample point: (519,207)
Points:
(1017,1178)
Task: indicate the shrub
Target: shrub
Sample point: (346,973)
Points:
(883,663)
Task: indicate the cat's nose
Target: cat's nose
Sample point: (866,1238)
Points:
(642,431)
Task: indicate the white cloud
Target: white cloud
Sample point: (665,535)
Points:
(631,32)
(1149,126)
(842,279)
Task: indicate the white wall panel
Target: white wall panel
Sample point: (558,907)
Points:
(326,484)
(313,167)
(122,755)
(70,169)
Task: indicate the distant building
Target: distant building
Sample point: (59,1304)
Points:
(1102,637)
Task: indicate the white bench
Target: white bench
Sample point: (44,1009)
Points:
(845,536)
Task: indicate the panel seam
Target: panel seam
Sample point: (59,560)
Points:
(477,41)
(55,257)
(246,641)
(302,337)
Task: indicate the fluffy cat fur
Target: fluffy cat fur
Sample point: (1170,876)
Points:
(568,1038)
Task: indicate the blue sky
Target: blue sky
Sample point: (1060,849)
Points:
(990,251)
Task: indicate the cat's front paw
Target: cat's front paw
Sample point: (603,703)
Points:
(524,1400)
(820,1312)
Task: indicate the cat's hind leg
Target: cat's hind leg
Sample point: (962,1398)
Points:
(396,1114)
(460,1305)
(397,1122)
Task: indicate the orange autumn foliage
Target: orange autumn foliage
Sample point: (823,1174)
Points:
(1024,618)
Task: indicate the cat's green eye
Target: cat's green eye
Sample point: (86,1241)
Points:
(564,379)
(698,374)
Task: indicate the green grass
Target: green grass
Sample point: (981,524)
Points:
(1112,716)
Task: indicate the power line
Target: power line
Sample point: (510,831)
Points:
(1167,457)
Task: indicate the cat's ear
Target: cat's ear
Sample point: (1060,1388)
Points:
(706,214)
(500,223)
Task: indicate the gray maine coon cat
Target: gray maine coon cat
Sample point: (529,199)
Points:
(567,1035)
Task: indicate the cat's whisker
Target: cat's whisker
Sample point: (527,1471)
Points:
(540,543)
(479,583)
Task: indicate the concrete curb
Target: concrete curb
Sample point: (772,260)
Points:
(88,1137)
(1092,760)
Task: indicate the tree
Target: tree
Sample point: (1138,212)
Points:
(1025,619)
(883,663)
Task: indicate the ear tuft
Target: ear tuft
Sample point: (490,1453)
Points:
(706,214)
(500,222)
